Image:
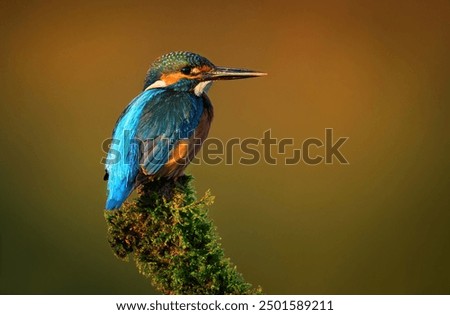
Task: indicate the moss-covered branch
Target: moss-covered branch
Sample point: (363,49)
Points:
(173,241)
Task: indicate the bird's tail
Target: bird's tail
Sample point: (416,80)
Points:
(117,195)
(112,204)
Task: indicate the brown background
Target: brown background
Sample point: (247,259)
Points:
(374,71)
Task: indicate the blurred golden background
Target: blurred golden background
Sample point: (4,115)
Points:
(376,72)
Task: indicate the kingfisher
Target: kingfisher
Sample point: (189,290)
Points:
(163,128)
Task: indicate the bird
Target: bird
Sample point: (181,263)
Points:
(163,128)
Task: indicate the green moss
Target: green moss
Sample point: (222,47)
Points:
(173,241)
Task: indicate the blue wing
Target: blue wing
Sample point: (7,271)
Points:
(169,118)
(144,136)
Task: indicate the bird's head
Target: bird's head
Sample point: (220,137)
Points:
(189,72)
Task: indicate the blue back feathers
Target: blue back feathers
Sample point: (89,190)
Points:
(154,122)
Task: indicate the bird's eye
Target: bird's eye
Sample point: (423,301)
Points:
(186,70)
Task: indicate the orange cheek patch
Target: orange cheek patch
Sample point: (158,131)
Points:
(172,78)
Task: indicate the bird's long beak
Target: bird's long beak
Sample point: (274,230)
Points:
(222,73)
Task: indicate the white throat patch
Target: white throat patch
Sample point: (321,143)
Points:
(202,87)
(156,84)
(199,89)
